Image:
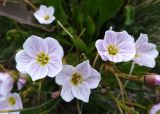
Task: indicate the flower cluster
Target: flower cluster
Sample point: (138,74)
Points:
(8,100)
(42,57)
(120,47)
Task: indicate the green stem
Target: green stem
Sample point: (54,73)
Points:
(78,107)
(95,60)
(60,24)
(130,73)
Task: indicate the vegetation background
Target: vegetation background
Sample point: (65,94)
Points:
(86,21)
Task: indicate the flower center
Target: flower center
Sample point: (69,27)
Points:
(76,79)
(12,101)
(112,49)
(47,17)
(42,59)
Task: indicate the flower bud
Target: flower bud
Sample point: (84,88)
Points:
(55,94)
(21,81)
(152,79)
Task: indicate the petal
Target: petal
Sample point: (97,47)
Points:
(94,79)
(101,50)
(54,47)
(54,66)
(110,38)
(36,71)
(145,60)
(82,92)
(124,37)
(34,45)
(143,38)
(84,69)
(4,104)
(50,10)
(116,58)
(6,83)
(65,75)
(22,60)
(127,51)
(148,48)
(43,8)
(66,92)
(19,104)
(155,109)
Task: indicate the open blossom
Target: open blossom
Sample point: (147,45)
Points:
(6,84)
(44,14)
(77,81)
(116,46)
(11,102)
(145,52)
(155,109)
(40,57)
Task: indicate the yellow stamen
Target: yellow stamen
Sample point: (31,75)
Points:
(42,59)
(112,49)
(47,17)
(76,79)
(12,101)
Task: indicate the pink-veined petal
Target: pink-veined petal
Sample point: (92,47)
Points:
(101,50)
(54,47)
(143,59)
(54,66)
(94,79)
(143,38)
(127,51)
(81,92)
(124,37)
(115,58)
(148,48)
(65,75)
(22,59)
(36,71)
(66,92)
(35,45)
(84,69)
(6,83)
(110,38)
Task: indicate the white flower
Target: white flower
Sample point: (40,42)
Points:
(40,57)
(6,83)
(77,81)
(11,102)
(44,14)
(145,52)
(155,109)
(116,46)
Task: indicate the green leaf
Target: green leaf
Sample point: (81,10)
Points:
(90,7)
(90,26)
(130,13)
(80,44)
(107,9)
